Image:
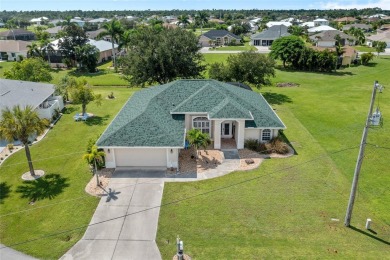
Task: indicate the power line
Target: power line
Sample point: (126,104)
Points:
(182,199)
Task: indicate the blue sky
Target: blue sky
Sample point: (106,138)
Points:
(187,4)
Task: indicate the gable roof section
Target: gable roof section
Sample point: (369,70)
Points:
(274,32)
(23,93)
(15,32)
(330,36)
(214,34)
(154,117)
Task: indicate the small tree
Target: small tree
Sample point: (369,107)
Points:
(31,69)
(198,139)
(287,49)
(380,46)
(93,157)
(81,93)
(366,58)
(21,124)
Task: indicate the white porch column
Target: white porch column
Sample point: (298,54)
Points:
(217,133)
(240,128)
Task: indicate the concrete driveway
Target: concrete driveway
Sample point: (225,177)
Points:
(124,225)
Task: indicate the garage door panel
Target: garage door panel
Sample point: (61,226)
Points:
(140,157)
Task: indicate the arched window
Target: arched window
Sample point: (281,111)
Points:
(201,123)
(266,135)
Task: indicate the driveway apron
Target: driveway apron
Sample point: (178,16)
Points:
(124,225)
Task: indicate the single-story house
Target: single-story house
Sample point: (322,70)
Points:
(104,47)
(307,24)
(320,22)
(320,28)
(94,34)
(39,21)
(273,23)
(266,37)
(54,31)
(17,34)
(11,50)
(362,26)
(99,21)
(78,21)
(383,37)
(347,19)
(40,96)
(219,37)
(327,38)
(151,128)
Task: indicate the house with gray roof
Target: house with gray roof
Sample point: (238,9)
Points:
(17,34)
(328,39)
(362,26)
(218,38)
(40,96)
(268,36)
(151,128)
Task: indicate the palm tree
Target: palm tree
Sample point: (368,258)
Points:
(183,20)
(20,124)
(33,50)
(46,48)
(198,139)
(201,19)
(115,30)
(93,157)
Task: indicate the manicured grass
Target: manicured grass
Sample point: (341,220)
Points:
(286,211)
(62,204)
(235,48)
(364,48)
(4,66)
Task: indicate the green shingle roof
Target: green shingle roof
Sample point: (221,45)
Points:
(154,117)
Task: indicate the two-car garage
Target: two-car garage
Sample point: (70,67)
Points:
(141,157)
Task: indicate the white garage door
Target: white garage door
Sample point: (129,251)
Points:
(140,157)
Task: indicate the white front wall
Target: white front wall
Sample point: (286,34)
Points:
(326,43)
(56,103)
(252,133)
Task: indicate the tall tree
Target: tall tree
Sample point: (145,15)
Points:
(94,157)
(115,30)
(201,19)
(287,49)
(87,56)
(74,36)
(162,55)
(21,123)
(31,69)
(33,50)
(183,20)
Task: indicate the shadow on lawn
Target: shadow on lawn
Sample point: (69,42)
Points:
(276,99)
(285,139)
(370,235)
(339,72)
(4,191)
(69,110)
(97,120)
(47,187)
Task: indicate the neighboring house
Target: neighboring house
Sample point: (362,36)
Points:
(218,37)
(56,21)
(266,37)
(383,37)
(307,24)
(151,128)
(270,24)
(320,22)
(54,31)
(39,21)
(104,47)
(2,24)
(38,95)
(94,34)
(327,39)
(321,28)
(347,19)
(292,20)
(77,21)
(362,26)
(218,21)
(17,34)
(11,50)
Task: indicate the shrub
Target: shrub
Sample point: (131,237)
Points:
(366,58)
(252,144)
(111,95)
(277,145)
(10,146)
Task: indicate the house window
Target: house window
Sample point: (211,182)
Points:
(201,123)
(266,135)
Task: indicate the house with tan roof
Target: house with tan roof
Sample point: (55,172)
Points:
(328,39)
(11,50)
(151,128)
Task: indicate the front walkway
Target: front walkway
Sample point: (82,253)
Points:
(9,253)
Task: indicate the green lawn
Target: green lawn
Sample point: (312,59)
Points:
(62,203)
(235,48)
(285,208)
(364,48)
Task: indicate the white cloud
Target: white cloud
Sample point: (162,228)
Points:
(383,4)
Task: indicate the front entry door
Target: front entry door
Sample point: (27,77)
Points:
(226,130)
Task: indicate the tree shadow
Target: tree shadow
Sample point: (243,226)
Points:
(369,235)
(97,120)
(338,72)
(276,99)
(111,194)
(47,187)
(371,64)
(69,110)
(5,189)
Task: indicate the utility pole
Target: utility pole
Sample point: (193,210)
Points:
(359,161)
